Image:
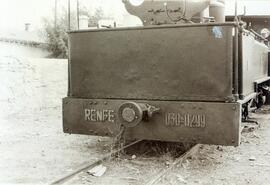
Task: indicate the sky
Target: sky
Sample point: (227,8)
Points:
(15,13)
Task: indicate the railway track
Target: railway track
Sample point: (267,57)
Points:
(156,177)
(87,166)
(178,161)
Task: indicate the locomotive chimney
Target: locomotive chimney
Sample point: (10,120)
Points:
(27,27)
(217,10)
(83,22)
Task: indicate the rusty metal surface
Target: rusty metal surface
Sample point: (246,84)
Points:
(200,122)
(255,62)
(162,63)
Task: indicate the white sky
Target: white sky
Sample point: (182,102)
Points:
(14,13)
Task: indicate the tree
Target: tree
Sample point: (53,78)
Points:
(57,36)
(93,18)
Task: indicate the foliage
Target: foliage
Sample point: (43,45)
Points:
(57,37)
(93,19)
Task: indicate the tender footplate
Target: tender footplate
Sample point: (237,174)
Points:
(198,122)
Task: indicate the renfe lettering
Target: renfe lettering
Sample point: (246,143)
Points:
(95,115)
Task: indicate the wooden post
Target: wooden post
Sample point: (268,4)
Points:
(78,14)
(55,13)
(68,15)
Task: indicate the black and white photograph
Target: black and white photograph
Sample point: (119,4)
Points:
(135,92)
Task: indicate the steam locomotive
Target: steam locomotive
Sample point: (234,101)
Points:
(186,75)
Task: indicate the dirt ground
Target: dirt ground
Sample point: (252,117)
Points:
(246,164)
(34,150)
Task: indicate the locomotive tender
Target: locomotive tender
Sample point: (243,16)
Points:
(171,79)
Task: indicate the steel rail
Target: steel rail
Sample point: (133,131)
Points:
(179,160)
(87,166)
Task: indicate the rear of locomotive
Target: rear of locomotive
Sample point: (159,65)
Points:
(172,82)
